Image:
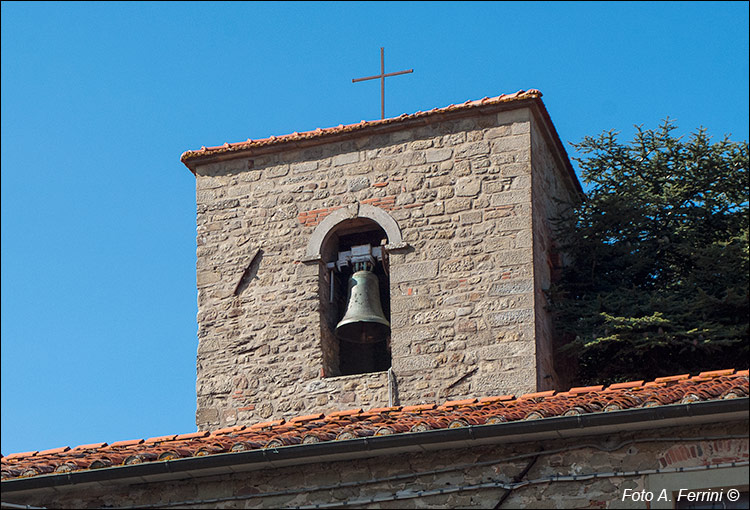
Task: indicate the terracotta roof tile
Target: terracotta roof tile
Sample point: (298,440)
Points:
(457,403)
(20,455)
(624,385)
(193,435)
(53,451)
(266,424)
(654,384)
(228,430)
(92,446)
(355,423)
(716,373)
(129,442)
(386,409)
(340,129)
(500,398)
(418,408)
(161,439)
(309,417)
(350,412)
(585,389)
(671,378)
(539,394)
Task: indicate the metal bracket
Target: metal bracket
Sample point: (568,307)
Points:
(363,253)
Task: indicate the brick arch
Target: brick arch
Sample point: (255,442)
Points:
(329,224)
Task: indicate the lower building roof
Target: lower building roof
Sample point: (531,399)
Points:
(578,408)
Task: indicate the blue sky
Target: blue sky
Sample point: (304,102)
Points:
(100,99)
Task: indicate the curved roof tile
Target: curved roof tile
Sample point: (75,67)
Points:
(356,423)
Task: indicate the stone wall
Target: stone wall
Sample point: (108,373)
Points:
(553,194)
(456,478)
(462,293)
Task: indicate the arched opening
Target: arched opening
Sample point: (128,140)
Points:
(352,245)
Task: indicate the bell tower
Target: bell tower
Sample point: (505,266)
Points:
(392,262)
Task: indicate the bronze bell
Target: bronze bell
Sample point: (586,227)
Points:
(364,321)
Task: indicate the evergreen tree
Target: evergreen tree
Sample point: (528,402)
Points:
(657,277)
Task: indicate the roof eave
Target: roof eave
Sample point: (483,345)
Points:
(564,427)
(193,159)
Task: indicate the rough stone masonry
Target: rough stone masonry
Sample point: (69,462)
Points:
(472,192)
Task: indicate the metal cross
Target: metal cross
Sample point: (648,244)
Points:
(382,77)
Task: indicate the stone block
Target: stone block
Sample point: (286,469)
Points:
(518,128)
(421,144)
(433,208)
(457,204)
(414,271)
(496,132)
(511,116)
(505,350)
(345,159)
(304,167)
(207,277)
(500,185)
(358,183)
(499,319)
(515,168)
(206,415)
(507,287)
(468,186)
(514,143)
(276,171)
(471,217)
(415,363)
(472,149)
(510,198)
(436,155)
